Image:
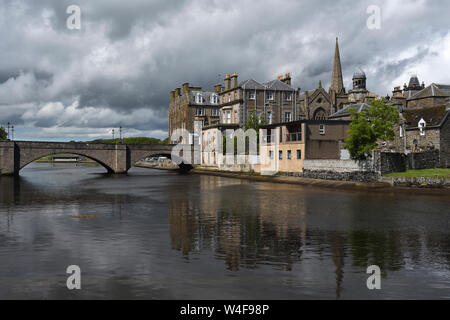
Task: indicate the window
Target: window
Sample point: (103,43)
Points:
(401,131)
(200,112)
(280,155)
(288,96)
(229,97)
(198,98)
(269,95)
(322,129)
(287,117)
(271,155)
(214,98)
(215,112)
(422,125)
(251,95)
(269,117)
(289,155)
(228,120)
(299,154)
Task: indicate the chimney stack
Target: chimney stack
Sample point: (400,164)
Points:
(185,88)
(217,88)
(177,92)
(227,82)
(234,82)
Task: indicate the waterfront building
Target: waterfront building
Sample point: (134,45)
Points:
(274,101)
(191,104)
(284,146)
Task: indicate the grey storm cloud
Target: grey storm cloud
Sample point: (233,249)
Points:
(120,67)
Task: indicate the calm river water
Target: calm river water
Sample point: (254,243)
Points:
(160,235)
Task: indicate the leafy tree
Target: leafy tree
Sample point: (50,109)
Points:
(3,134)
(254,121)
(370,125)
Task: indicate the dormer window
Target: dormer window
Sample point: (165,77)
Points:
(422,125)
(198,98)
(269,95)
(214,98)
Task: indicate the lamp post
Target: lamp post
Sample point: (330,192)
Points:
(120,133)
(113,134)
(12,133)
(9,125)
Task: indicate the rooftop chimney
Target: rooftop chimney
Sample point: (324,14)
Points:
(227,82)
(234,82)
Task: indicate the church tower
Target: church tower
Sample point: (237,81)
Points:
(337,83)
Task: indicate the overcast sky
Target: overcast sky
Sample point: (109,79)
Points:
(118,69)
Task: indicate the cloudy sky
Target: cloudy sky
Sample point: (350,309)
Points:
(118,69)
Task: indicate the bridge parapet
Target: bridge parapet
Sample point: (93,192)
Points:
(116,158)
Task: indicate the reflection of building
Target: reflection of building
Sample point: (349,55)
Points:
(192,104)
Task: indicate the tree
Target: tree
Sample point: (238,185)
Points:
(3,134)
(370,125)
(254,121)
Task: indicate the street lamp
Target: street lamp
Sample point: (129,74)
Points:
(9,125)
(120,132)
(113,134)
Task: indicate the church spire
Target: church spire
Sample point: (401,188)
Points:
(337,83)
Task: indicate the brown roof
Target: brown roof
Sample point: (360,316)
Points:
(433,116)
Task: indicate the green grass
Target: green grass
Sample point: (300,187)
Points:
(426,173)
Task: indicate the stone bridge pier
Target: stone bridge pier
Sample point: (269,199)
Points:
(115,158)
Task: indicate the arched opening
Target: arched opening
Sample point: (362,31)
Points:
(50,158)
(320,114)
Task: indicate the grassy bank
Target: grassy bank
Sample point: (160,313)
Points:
(426,173)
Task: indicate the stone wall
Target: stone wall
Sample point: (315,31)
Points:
(445,144)
(363,176)
(387,162)
(423,160)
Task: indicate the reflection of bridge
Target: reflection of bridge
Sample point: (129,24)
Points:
(116,158)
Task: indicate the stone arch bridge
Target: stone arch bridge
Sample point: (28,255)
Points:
(116,158)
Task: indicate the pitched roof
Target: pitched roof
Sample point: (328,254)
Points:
(251,84)
(278,85)
(433,116)
(206,98)
(345,112)
(433,90)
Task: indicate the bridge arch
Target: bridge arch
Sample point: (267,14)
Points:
(26,162)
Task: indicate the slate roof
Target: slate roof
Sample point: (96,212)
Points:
(433,90)
(278,85)
(433,116)
(344,112)
(251,84)
(206,98)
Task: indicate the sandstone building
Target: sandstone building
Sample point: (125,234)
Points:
(189,104)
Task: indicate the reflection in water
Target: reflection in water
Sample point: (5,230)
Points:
(162,235)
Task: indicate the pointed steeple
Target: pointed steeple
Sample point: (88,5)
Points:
(337,83)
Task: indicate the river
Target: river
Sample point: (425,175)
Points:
(159,235)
